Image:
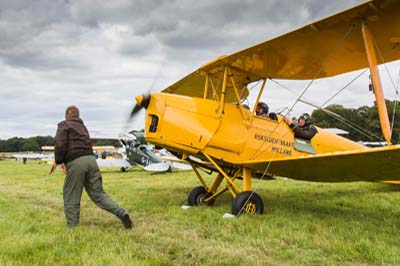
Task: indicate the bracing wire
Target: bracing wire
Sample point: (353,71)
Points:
(294,104)
(393,84)
(395,103)
(338,44)
(333,114)
(384,64)
(398,82)
(345,87)
(346,122)
(334,50)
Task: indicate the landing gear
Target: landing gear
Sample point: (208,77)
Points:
(244,199)
(247,202)
(198,195)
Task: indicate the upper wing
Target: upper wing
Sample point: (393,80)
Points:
(368,165)
(325,48)
(193,85)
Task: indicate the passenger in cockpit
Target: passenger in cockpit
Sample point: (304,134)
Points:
(304,129)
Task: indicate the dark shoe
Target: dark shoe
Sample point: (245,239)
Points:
(127,222)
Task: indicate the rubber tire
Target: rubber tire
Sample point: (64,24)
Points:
(122,170)
(251,199)
(197,194)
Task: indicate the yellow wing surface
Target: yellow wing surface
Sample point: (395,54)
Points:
(326,48)
(376,164)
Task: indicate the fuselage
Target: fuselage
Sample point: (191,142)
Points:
(194,125)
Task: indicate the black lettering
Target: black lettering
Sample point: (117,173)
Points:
(275,141)
(281,151)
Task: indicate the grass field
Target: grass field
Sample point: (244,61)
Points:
(304,223)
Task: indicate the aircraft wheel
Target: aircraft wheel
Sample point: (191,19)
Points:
(247,202)
(123,169)
(197,196)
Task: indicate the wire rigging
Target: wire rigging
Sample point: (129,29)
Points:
(345,87)
(334,50)
(393,84)
(329,56)
(299,99)
(395,103)
(332,114)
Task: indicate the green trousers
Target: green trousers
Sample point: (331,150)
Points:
(84,172)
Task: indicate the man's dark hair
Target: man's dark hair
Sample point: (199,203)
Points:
(71,112)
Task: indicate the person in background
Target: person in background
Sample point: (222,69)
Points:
(73,149)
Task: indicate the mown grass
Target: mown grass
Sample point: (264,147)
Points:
(304,223)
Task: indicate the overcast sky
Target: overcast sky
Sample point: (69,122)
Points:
(99,55)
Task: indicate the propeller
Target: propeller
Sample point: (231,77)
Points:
(134,111)
(142,101)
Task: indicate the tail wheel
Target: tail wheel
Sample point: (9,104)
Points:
(198,195)
(247,202)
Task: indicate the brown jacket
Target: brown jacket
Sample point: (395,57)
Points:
(72,141)
(306,132)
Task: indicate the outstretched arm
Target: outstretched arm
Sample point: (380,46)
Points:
(304,133)
(60,145)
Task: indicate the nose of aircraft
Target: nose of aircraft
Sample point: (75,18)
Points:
(142,101)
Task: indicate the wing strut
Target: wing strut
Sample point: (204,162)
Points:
(222,105)
(258,99)
(376,82)
(206,86)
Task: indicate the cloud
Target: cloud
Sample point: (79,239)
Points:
(100,54)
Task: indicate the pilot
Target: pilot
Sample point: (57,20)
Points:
(304,129)
(262,109)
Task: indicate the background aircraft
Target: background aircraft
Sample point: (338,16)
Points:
(32,156)
(136,151)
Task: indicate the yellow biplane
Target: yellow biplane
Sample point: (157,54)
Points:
(202,118)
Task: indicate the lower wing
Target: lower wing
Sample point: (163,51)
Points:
(378,164)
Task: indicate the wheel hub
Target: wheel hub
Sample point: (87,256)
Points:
(200,200)
(250,208)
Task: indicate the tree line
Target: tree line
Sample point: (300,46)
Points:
(362,123)
(16,144)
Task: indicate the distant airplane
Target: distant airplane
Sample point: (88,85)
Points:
(31,156)
(136,151)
